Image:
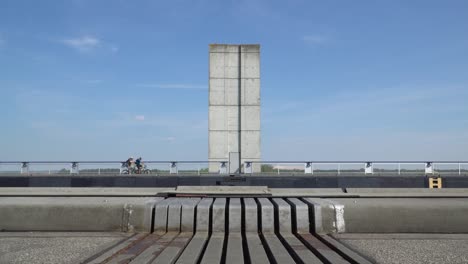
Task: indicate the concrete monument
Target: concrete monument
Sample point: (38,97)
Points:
(234,107)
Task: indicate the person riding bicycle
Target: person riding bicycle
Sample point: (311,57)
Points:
(129,162)
(139,164)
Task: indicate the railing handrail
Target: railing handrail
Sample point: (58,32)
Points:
(261,162)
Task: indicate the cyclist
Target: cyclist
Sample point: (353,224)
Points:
(139,164)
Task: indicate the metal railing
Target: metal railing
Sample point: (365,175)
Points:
(248,167)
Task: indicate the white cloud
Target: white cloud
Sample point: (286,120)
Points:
(170,139)
(83,43)
(140,117)
(173,86)
(315,39)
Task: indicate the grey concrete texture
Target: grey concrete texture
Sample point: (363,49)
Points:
(203,215)
(89,191)
(76,213)
(47,247)
(405,215)
(409,248)
(247,190)
(234,70)
(328,215)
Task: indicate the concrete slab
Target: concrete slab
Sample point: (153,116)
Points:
(175,215)
(283,217)
(279,252)
(267,216)
(218,216)
(235,215)
(153,251)
(174,249)
(245,190)
(234,252)
(403,215)
(251,218)
(256,250)
(161,214)
(203,215)
(328,215)
(76,191)
(193,251)
(214,249)
(301,211)
(408,192)
(75,213)
(188,214)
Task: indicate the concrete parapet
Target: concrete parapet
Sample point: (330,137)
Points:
(405,215)
(76,214)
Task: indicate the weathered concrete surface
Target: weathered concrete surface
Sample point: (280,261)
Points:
(407,192)
(405,215)
(227,190)
(90,191)
(76,213)
(409,248)
(328,215)
(234,71)
(40,247)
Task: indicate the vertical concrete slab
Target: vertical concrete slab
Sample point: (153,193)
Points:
(302,215)
(160,215)
(174,215)
(268,216)
(251,215)
(301,211)
(254,244)
(280,254)
(193,252)
(226,84)
(218,216)
(214,249)
(284,215)
(188,214)
(234,252)
(203,215)
(285,228)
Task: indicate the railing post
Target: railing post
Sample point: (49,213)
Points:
(223,167)
(99,171)
(459,169)
(173,168)
(278,168)
(308,168)
(429,169)
(24,167)
(248,167)
(399,168)
(368,168)
(339,168)
(74,168)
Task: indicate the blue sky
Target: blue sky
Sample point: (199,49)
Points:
(341,80)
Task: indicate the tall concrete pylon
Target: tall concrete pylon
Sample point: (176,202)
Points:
(234,106)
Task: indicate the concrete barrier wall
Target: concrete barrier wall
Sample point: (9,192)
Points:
(76,213)
(283,181)
(405,215)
